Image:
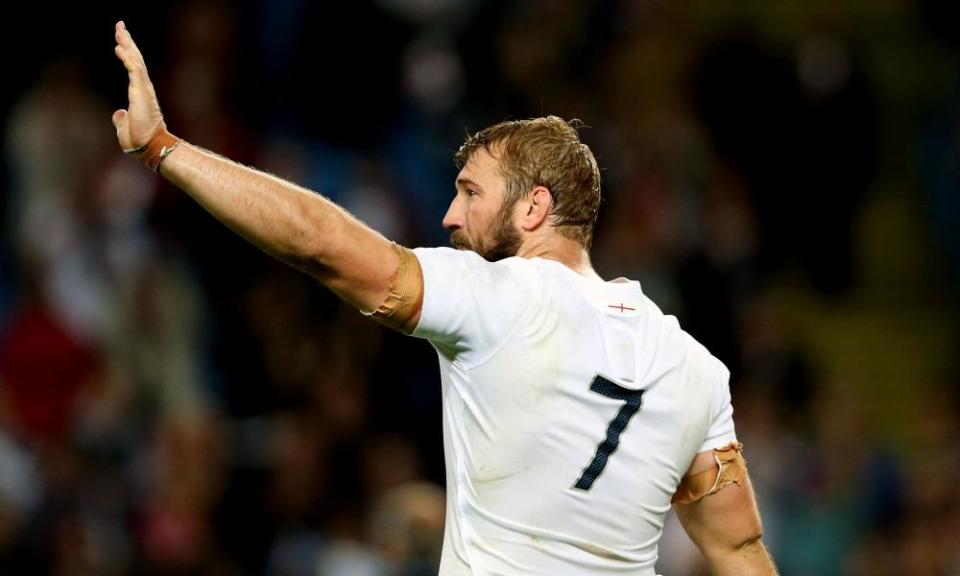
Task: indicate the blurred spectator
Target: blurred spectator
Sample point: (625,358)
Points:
(407,528)
(45,371)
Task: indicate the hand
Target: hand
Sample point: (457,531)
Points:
(141,120)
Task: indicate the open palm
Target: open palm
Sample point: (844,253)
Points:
(140,121)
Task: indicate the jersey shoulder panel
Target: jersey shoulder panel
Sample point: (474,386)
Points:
(470,305)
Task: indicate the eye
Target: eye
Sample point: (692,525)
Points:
(471,192)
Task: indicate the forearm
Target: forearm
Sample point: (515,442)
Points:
(751,559)
(289,222)
(282,219)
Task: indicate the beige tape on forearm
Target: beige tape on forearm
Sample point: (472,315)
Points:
(406,294)
(730,468)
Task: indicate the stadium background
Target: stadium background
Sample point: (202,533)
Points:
(783,176)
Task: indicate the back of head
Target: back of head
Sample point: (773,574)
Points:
(545,152)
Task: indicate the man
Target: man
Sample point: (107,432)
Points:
(574,410)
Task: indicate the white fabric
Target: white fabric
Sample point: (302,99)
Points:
(520,342)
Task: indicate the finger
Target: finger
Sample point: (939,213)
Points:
(125,39)
(124,57)
(130,55)
(139,79)
(140,85)
(119,117)
(121,36)
(130,62)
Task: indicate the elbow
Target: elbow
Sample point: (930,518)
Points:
(313,249)
(747,535)
(306,254)
(737,540)
(750,541)
(310,253)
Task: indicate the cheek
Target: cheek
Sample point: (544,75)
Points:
(479,220)
(471,217)
(484,213)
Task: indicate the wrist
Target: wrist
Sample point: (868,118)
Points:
(153,153)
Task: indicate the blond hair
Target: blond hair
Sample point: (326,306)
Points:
(545,152)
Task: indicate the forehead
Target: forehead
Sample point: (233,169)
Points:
(480,165)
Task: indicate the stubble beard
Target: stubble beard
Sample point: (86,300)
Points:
(505,238)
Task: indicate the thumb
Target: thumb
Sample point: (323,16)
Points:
(119,117)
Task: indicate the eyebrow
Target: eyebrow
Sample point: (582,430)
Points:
(464,182)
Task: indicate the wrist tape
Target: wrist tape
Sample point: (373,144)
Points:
(161,144)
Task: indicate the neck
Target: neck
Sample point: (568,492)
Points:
(564,250)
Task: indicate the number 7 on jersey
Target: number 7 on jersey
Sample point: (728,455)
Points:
(632,400)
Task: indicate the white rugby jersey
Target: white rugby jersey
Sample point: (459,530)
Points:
(572,408)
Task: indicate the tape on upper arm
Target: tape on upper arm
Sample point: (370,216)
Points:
(406,294)
(730,468)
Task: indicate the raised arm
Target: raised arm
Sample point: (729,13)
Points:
(725,524)
(284,220)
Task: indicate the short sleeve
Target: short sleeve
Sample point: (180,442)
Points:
(721,431)
(470,305)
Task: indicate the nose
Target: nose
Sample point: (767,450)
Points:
(453,220)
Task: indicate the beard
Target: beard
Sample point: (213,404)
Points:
(504,242)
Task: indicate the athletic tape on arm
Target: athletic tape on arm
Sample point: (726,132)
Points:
(730,468)
(406,294)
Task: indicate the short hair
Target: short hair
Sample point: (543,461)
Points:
(545,152)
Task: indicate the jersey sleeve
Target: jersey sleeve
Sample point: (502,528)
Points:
(721,431)
(469,305)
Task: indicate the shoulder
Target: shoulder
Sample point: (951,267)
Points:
(465,266)
(466,257)
(469,303)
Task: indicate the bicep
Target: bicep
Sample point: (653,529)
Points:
(373,274)
(723,521)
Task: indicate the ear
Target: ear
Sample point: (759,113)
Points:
(535,208)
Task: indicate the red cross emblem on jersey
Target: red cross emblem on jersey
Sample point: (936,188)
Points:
(621,307)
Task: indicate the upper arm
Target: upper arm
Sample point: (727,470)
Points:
(374,274)
(726,526)
(725,519)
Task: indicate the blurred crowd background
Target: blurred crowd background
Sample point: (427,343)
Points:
(784,176)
